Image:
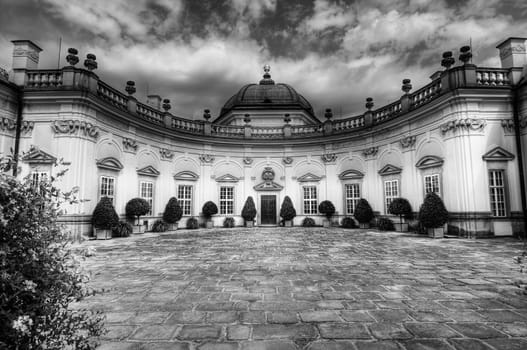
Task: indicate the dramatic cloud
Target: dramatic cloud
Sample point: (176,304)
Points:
(198,53)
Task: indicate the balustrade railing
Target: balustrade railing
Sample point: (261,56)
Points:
(186,125)
(111,95)
(306,130)
(425,94)
(492,77)
(348,123)
(227,131)
(149,113)
(267,132)
(387,112)
(44,79)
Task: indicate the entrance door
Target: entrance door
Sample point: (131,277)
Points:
(268,209)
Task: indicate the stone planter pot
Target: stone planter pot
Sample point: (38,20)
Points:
(400,227)
(326,223)
(249,223)
(288,223)
(138,229)
(364,225)
(437,232)
(172,227)
(102,234)
(209,224)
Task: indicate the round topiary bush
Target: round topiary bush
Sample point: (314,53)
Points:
(159,226)
(433,213)
(348,222)
(249,209)
(308,222)
(173,211)
(400,207)
(363,211)
(327,208)
(104,216)
(385,224)
(122,229)
(287,210)
(228,222)
(209,209)
(137,207)
(192,223)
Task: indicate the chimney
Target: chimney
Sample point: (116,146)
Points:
(154,101)
(25,56)
(512,52)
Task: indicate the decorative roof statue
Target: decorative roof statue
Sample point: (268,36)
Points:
(267,77)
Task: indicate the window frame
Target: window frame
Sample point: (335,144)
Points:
(495,211)
(311,201)
(224,202)
(431,176)
(389,198)
(150,199)
(184,201)
(354,200)
(114,185)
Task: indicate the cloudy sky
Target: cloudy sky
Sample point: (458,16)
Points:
(199,53)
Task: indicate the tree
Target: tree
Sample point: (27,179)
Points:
(173,211)
(400,207)
(209,209)
(363,211)
(287,210)
(433,213)
(249,209)
(137,207)
(327,208)
(104,216)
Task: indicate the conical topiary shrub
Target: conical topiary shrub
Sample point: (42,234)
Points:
(173,212)
(104,217)
(433,215)
(287,211)
(363,213)
(400,207)
(249,211)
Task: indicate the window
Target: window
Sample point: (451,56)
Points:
(147,193)
(432,184)
(391,191)
(107,187)
(497,193)
(38,176)
(352,197)
(310,199)
(184,195)
(226,200)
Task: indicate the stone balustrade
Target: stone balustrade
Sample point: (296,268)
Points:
(227,131)
(348,123)
(44,79)
(150,114)
(112,96)
(186,125)
(387,112)
(425,94)
(492,77)
(267,132)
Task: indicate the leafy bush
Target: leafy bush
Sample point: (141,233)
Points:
(433,213)
(40,276)
(348,222)
(137,207)
(363,211)
(385,224)
(287,210)
(249,209)
(159,226)
(327,208)
(209,209)
(192,223)
(308,222)
(400,207)
(228,222)
(122,229)
(173,211)
(104,216)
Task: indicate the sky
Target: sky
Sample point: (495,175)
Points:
(199,53)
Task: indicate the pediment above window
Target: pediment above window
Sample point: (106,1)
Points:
(37,156)
(227,178)
(110,163)
(390,169)
(148,171)
(429,162)
(268,186)
(186,175)
(309,178)
(498,154)
(351,175)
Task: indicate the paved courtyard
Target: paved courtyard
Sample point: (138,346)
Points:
(293,288)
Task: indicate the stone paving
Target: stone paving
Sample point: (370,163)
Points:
(296,288)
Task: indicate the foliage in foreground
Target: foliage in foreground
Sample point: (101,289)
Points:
(229,222)
(363,211)
(308,222)
(385,224)
(39,275)
(173,211)
(159,226)
(433,213)
(348,222)
(249,209)
(287,210)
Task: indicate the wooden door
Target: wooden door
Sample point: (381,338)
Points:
(268,209)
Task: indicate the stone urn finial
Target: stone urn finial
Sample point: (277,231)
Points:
(206,114)
(369,103)
(407,86)
(328,114)
(166,104)
(130,87)
(287,118)
(90,62)
(247,118)
(72,57)
(448,60)
(465,54)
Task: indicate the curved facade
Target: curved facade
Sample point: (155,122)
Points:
(455,136)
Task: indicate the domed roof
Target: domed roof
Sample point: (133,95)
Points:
(267,95)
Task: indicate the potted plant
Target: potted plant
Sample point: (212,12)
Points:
(135,208)
(249,212)
(433,215)
(348,222)
(400,207)
(209,209)
(363,213)
(172,214)
(287,212)
(104,219)
(327,208)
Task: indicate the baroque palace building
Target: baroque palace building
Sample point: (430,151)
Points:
(463,135)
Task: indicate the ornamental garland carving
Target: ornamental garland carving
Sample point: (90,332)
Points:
(408,141)
(166,153)
(287,160)
(206,158)
(468,124)
(7,124)
(129,144)
(508,124)
(27,127)
(247,160)
(519,48)
(26,53)
(370,152)
(329,157)
(75,127)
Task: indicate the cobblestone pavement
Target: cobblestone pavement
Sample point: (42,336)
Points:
(295,288)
